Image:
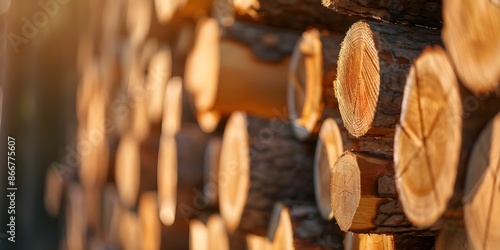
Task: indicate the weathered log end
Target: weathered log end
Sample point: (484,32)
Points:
(428,139)
(329,147)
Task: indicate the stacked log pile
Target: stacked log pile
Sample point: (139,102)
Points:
(266,124)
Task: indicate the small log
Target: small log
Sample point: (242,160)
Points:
(159,72)
(452,238)
(180,171)
(369,85)
(422,13)
(261,163)
(211,170)
(153,233)
(364,197)
(296,225)
(437,119)
(297,15)
(471,33)
(481,199)
(220,238)
(255,242)
(212,85)
(198,235)
(313,68)
(332,141)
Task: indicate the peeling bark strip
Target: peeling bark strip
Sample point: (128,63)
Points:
(364,197)
(373,63)
(261,163)
(421,12)
(298,225)
(430,129)
(313,67)
(471,33)
(296,14)
(482,192)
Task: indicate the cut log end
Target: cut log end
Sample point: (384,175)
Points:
(328,149)
(211,170)
(198,235)
(280,231)
(150,223)
(217,233)
(159,72)
(127,170)
(208,120)
(482,196)
(255,242)
(139,15)
(471,33)
(430,128)
(304,84)
(234,170)
(165,9)
(167,179)
(172,107)
(358,82)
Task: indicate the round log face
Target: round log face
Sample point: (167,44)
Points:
(150,223)
(198,235)
(167,179)
(139,14)
(427,142)
(127,170)
(482,195)
(159,72)
(358,81)
(172,107)
(471,33)
(217,233)
(345,190)
(234,170)
(328,149)
(304,84)
(165,9)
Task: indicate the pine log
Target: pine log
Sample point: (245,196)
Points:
(313,68)
(297,15)
(220,238)
(180,172)
(211,170)
(198,235)
(481,198)
(213,85)
(364,197)
(422,12)
(471,33)
(369,85)
(255,242)
(439,118)
(332,141)
(296,225)
(261,163)
(452,238)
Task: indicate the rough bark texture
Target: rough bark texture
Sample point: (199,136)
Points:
(280,168)
(298,15)
(421,12)
(364,196)
(369,85)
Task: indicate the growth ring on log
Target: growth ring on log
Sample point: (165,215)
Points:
(328,149)
(482,189)
(304,84)
(358,82)
(235,169)
(427,141)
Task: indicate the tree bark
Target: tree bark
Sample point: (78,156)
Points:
(261,163)
(438,118)
(298,225)
(481,199)
(373,63)
(422,12)
(364,197)
(471,34)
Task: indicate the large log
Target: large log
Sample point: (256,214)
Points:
(261,163)
(439,117)
(364,197)
(471,33)
(213,85)
(298,225)
(332,141)
(313,68)
(422,12)
(297,15)
(481,195)
(373,63)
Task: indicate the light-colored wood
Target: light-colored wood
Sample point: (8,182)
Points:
(422,13)
(471,33)
(255,242)
(110,214)
(165,9)
(430,128)
(159,72)
(198,235)
(172,107)
(481,194)
(129,230)
(153,232)
(369,242)
(127,170)
(139,15)
(364,197)
(261,162)
(211,170)
(219,237)
(167,179)
(452,238)
(313,68)
(373,63)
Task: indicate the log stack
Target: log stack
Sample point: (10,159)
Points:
(265,124)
